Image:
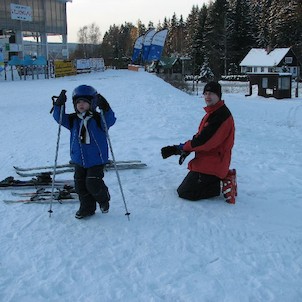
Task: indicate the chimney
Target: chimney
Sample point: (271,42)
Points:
(268,49)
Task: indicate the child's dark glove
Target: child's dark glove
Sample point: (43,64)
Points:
(61,99)
(102,103)
(170,150)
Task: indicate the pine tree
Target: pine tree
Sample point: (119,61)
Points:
(219,34)
(110,45)
(150,25)
(171,40)
(284,23)
(198,39)
(191,29)
(167,48)
(141,28)
(190,34)
(159,26)
(206,73)
(174,41)
(125,40)
(215,36)
(180,36)
(240,32)
(263,37)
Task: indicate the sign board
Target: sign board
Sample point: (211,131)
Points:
(83,64)
(88,65)
(64,68)
(21,12)
(97,64)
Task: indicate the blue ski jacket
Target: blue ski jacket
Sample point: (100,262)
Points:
(87,155)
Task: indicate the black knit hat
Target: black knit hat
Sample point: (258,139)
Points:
(214,87)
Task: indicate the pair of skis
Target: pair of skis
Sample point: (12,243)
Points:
(42,179)
(37,182)
(65,168)
(42,174)
(42,195)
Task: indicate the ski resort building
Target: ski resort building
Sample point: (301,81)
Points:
(34,19)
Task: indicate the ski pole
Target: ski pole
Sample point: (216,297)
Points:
(114,163)
(62,94)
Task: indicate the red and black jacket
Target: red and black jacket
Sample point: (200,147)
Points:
(213,142)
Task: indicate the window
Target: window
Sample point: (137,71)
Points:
(255,69)
(288,60)
(284,83)
(262,69)
(264,82)
(269,91)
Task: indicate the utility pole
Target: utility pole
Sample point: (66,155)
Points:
(225,45)
(297,79)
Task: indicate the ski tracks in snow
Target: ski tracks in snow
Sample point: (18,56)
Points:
(171,249)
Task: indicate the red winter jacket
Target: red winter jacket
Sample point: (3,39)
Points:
(213,142)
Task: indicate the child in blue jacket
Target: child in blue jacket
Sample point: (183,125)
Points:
(88,146)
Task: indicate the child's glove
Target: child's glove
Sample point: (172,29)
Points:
(61,99)
(102,103)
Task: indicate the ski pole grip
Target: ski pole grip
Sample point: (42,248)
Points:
(54,98)
(63,93)
(53,101)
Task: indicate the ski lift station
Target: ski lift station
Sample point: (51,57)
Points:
(35,20)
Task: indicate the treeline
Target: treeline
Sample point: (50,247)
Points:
(217,35)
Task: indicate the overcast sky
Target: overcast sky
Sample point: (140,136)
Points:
(108,12)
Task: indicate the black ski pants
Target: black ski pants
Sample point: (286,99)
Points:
(197,186)
(90,187)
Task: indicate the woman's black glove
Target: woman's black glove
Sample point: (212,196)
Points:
(102,103)
(170,150)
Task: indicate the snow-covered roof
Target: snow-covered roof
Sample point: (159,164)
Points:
(260,57)
(168,62)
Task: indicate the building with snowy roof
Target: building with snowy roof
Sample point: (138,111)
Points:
(260,60)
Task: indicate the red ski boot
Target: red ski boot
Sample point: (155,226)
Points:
(229,186)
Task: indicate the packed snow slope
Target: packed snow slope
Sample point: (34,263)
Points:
(171,249)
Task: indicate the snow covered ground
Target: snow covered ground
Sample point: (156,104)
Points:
(171,249)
